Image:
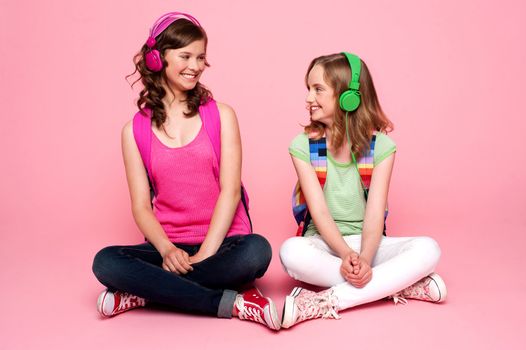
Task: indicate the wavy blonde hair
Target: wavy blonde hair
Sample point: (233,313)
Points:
(363,121)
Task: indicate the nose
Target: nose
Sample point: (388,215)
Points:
(310,96)
(194,64)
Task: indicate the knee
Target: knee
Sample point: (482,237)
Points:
(103,262)
(258,252)
(429,250)
(290,252)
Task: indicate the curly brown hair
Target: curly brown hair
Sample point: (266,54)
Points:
(363,121)
(179,34)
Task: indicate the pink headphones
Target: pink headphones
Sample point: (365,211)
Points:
(153,57)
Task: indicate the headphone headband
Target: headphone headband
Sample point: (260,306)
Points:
(165,20)
(153,57)
(356,67)
(350,99)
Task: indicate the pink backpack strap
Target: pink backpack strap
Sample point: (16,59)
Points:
(142,132)
(212,122)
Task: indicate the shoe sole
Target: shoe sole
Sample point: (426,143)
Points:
(271,315)
(288,308)
(100,303)
(442,290)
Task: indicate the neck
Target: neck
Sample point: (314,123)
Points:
(174,99)
(327,126)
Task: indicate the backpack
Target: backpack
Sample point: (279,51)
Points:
(211,122)
(318,160)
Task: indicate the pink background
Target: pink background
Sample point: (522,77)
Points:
(449,74)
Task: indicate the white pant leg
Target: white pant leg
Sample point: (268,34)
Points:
(399,262)
(310,260)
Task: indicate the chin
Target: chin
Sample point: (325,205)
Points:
(187,87)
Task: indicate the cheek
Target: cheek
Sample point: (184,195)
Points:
(174,65)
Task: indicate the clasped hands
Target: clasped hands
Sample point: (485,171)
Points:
(178,261)
(356,270)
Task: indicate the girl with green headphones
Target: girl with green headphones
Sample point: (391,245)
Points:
(343,160)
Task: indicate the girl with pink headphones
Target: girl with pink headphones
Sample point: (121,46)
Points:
(344,161)
(185,148)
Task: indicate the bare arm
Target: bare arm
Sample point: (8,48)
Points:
(174,259)
(230,184)
(373,223)
(318,208)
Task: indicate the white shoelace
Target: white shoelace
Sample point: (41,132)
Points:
(398,298)
(247,312)
(320,305)
(129,301)
(250,313)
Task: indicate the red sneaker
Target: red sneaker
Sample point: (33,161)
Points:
(113,303)
(253,306)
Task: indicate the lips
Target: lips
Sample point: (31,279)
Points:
(313,109)
(189,76)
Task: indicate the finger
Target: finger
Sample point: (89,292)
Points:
(365,279)
(179,267)
(368,277)
(170,266)
(173,262)
(184,262)
(361,273)
(351,278)
(356,284)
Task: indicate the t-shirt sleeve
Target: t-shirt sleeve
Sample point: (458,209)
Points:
(299,147)
(383,148)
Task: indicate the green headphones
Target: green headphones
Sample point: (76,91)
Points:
(350,99)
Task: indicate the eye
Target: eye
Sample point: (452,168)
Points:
(318,89)
(184,57)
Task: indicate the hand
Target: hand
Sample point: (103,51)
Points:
(176,260)
(194,259)
(364,275)
(350,264)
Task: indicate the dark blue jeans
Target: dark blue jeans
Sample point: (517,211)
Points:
(208,289)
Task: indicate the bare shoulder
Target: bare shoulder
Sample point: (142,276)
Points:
(226,112)
(127,137)
(127,129)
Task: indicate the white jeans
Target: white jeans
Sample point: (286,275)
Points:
(399,262)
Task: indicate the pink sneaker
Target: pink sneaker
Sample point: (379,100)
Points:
(430,288)
(253,306)
(113,303)
(302,304)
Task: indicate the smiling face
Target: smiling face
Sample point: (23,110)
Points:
(185,66)
(321,101)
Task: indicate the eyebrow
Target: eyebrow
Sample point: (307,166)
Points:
(191,53)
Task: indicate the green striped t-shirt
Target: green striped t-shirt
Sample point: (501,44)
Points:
(343,190)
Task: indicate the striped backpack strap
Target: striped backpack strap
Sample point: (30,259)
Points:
(366,166)
(318,159)
(365,169)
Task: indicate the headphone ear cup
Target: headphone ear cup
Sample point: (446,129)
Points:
(153,61)
(349,100)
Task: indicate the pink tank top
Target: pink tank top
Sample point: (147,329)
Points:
(187,190)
